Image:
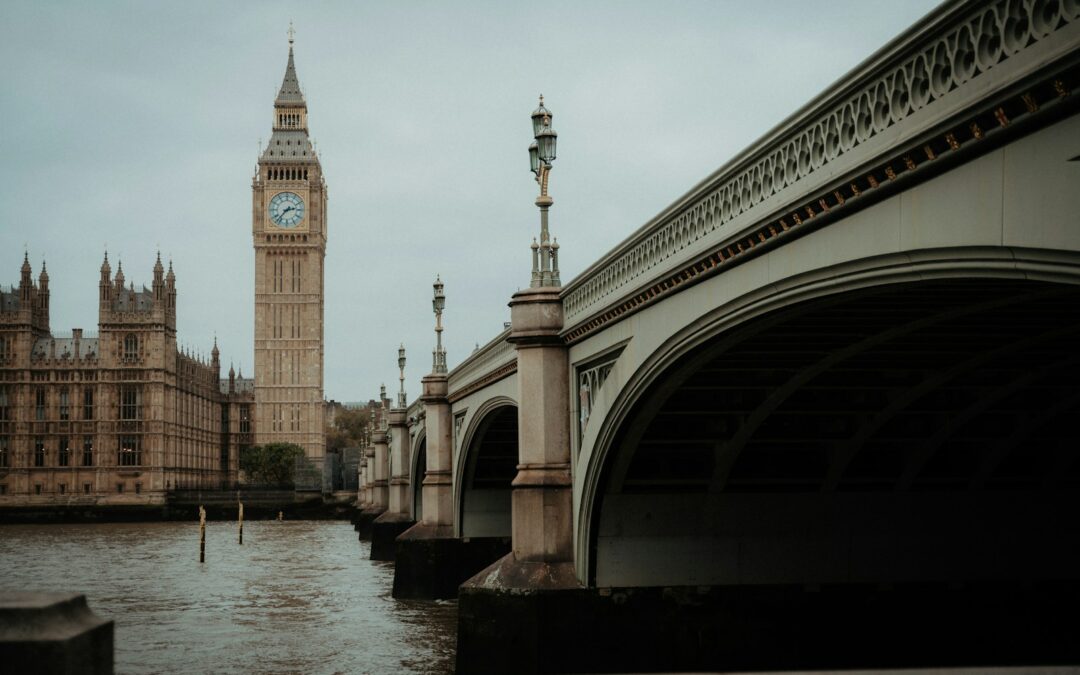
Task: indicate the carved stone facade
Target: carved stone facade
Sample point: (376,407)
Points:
(289,234)
(121,418)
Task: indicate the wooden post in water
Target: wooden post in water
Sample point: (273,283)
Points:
(241,523)
(202,534)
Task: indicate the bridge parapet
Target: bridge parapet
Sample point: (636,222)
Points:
(494,360)
(959,75)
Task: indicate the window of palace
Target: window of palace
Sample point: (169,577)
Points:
(3,488)
(131,347)
(88,404)
(5,348)
(138,488)
(88,451)
(37,488)
(130,451)
(39,452)
(65,451)
(120,488)
(86,488)
(62,487)
(5,410)
(245,419)
(129,403)
(65,405)
(4,461)
(39,404)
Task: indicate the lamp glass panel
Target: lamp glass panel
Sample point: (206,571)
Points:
(546,141)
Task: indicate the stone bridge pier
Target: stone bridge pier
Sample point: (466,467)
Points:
(398,516)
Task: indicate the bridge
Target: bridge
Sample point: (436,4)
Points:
(819,412)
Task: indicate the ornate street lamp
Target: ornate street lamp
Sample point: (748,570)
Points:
(402,402)
(383,404)
(438,303)
(545,270)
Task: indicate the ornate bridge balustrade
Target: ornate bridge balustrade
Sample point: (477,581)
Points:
(954,81)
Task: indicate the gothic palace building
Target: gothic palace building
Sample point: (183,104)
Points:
(121,418)
(126,417)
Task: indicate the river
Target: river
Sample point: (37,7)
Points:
(296,597)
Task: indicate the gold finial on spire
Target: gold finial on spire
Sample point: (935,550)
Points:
(291,33)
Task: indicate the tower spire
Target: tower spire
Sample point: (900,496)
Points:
(289,94)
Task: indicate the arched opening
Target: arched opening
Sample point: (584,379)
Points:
(896,460)
(131,347)
(491,458)
(416,481)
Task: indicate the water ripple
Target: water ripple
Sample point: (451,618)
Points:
(297,597)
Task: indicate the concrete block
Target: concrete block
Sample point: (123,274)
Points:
(53,633)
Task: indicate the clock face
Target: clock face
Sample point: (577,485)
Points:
(286,209)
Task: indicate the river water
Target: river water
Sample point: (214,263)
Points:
(297,597)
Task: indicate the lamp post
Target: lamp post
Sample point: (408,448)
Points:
(401,400)
(438,303)
(545,270)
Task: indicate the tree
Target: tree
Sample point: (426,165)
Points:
(348,428)
(271,464)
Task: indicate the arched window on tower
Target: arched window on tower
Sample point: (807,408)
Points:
(131,347)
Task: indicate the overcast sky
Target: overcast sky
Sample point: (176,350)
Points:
(135,126)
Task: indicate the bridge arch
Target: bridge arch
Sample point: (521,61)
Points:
(485,468)
(1014,357)
(418,460)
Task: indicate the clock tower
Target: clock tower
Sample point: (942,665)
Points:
(289,232)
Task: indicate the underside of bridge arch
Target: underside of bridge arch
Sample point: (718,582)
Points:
(490,466)
(920,410)
(896,456)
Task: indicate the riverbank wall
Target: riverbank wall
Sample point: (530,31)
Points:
(264,505)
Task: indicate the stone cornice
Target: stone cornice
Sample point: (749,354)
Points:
(494,376)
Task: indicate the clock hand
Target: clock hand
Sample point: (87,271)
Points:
(284,211)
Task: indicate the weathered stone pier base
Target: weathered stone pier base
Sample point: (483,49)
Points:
(433,567)
(365,519)
(385,530)
(848,626)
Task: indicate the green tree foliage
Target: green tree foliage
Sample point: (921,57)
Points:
(348,428)
(271,464)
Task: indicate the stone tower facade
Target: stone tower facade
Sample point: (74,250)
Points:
(289,232)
